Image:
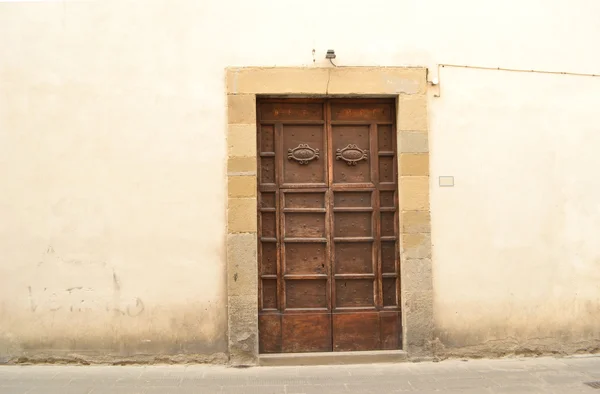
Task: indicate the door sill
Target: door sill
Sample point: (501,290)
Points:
(332,358)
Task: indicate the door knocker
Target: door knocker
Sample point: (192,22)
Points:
(303,154)
(351,154)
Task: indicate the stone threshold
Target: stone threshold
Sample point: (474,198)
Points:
(332,358)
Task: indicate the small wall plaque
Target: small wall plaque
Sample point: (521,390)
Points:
(446,181)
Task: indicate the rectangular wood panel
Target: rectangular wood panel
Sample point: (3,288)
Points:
(308,332)
(346,110)
(269,332)
(388,257)
(268,261)
(356,331)
(304,200)
(385,138)
(267,170)
(267,138)
(305,294)
(304,148)
(268,224)
(354,258)
(352,224)
(391,330)
(285,110)
(386,199)
(352,199)
(352,153)
(304,225)
(306,258)
(354,293)
(389,291)
(387,173)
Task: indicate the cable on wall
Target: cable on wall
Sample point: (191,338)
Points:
(519,70)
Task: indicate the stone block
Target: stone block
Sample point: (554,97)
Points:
(242,265)
(377,80)
(415,222)
(243,330)
(241,140)
(414,164)
(414,193)
(241,108)
(417,276)
(416,245)
(241,215)
(418,318)
(241,186)
(412,113)
(280,80)
(241,165)
(413,142)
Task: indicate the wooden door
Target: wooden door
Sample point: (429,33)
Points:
(328,236)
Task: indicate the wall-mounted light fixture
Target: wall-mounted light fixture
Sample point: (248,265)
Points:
(330,55)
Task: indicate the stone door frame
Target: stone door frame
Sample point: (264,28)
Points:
(408,85)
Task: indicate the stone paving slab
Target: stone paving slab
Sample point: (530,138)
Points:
(500,376)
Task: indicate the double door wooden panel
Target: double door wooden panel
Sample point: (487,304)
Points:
(328,236)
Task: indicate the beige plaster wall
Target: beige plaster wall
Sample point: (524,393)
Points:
(113,157)
(112,165)
(516,257)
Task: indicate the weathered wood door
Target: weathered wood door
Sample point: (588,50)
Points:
(328,236)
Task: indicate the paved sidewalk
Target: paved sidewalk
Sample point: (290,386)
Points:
(532,375)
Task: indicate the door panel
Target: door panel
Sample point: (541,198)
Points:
(385,138)
(305,294)
(391,330)
(308,332)
(291,110)
(304,225)
(269,258)
(356,331)
(389,291)
(366,111)
(305,200)
(305,259)
(352,224)
(352,147)
(269,294)
(269,333)
(304,147)
(353,199)
(388,257)
(327,206)
(386,199)
(352,292)
(356,258)
(268,224)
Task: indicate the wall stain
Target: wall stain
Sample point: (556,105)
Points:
(116,283)
(82,299)
(137,309)
(32,304)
